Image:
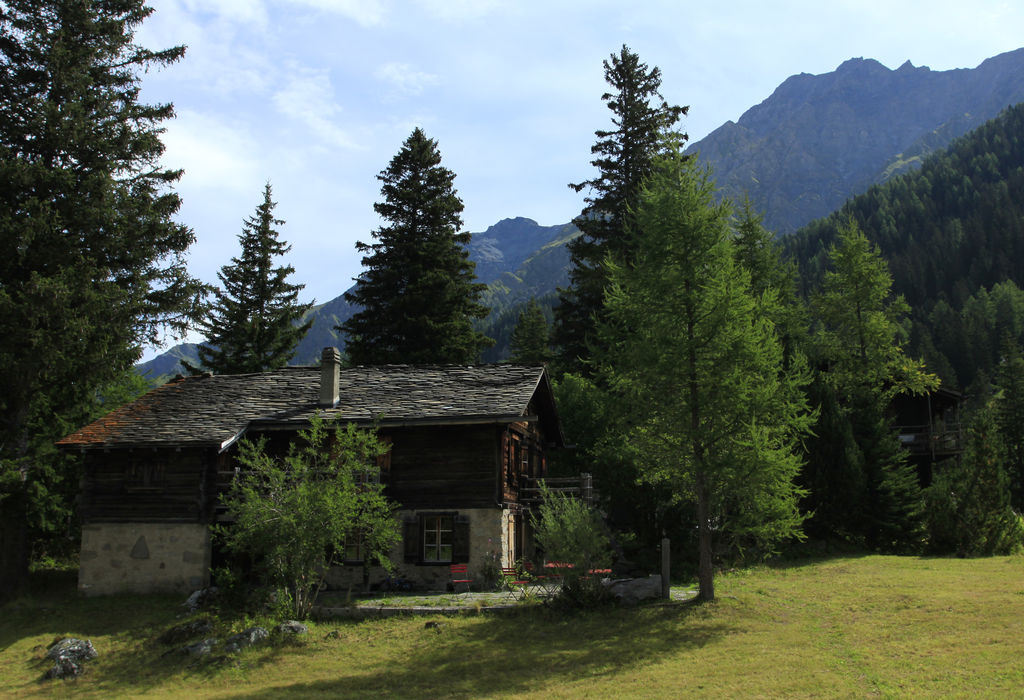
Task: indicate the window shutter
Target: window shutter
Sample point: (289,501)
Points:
(460,543)
(411,539)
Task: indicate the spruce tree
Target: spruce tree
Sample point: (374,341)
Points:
(91,261)
(623,158)
(1009,416)
(254,324)
(417,294)
(860,350)
(530,337)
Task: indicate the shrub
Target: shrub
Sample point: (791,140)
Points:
(570,532)
(292,515)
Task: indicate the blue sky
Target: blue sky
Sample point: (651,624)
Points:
(316,96)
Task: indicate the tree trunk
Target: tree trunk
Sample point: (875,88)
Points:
(705,569)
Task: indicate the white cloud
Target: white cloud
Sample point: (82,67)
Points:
(309,99)
(406,79)
(217,155)
(365,12)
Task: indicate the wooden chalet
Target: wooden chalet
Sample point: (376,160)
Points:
(467,444)
(929,428)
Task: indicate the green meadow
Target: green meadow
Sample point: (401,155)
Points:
(841,627)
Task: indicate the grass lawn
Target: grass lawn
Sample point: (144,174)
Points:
(846,627)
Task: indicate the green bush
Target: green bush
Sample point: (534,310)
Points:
(570,532)
(293,515)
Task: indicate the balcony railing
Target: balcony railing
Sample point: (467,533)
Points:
(928,440)
(581,486)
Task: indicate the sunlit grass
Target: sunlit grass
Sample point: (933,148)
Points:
(849,627)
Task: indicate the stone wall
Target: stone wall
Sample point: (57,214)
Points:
(144,558)
(488,532)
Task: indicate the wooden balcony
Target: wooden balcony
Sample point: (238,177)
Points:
(581,486)
(933,441)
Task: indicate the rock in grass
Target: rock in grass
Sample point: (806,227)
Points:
(185,631)
(633,590)
(202,648)
(68,655)
(237,642)
(292,627)
(200,598)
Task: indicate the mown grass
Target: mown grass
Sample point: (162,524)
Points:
(843,627)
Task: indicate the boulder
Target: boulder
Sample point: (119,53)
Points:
(201,648)
(292,627)
(185,631)
(631,591)
(68,655)
(200,598)
(239,641)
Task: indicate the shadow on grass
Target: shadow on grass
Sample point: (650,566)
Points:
(520,653)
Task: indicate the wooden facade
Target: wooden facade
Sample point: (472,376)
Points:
(149,485)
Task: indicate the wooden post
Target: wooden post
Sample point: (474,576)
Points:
(666,552)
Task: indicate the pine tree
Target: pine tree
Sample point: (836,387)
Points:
(417,294)
(624,158)
(91,259)
(254,324)
(705,404)
(530,337)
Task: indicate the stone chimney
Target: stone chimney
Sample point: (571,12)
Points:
(330,377)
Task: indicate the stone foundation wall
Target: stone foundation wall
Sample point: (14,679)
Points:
(144,558)
(488,533)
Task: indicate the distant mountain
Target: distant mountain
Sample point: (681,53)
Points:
(169,364)
(517,257)
(952,234)
(820,139)
(814,143)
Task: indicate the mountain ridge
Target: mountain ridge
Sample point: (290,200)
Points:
(816,141)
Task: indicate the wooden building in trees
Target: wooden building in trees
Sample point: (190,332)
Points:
(929,428)
(466,445)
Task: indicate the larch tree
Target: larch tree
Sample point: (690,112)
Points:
(418,294)
(623,157)
(254,324)
(705,404)
(530,343)
(91,261)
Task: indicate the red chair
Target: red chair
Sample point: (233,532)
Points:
(457,573)
(516,585)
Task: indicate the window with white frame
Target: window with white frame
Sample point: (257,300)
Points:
(438,538)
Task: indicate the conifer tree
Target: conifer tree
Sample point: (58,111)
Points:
(91,261)
(860,350)
(530,337)
(1009,415)
(623,157)
(704,402)
(417,294)
(254,324)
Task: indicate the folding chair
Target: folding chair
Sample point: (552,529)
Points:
(515,584)
(457,573)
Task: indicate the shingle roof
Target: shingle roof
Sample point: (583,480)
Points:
(214,410)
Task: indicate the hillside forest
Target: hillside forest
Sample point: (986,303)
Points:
(741,393)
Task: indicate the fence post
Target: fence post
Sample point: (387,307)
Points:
(666,552)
